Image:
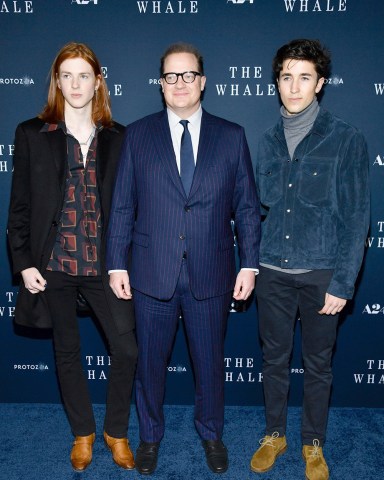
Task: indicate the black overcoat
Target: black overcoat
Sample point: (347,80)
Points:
(37,196)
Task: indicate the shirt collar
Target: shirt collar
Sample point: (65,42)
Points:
(194,119)
(52,127)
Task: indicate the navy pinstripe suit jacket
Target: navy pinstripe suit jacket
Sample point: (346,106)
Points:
(152,215)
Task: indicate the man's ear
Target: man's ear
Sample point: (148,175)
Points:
(203,80)
(320,84)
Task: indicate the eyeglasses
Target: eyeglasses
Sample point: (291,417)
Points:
(172,78)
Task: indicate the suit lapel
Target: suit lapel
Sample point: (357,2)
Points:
(58,144)
(102,155)
(207,144)
(163,142)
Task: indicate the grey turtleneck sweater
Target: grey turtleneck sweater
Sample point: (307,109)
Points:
(297,126)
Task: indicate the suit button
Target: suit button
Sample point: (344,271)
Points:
(184,255)
(187,209)
(54,223)
(182,237)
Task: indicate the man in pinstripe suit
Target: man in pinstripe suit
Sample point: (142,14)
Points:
(182,247)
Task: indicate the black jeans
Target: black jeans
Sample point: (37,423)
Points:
(61,294)
(280,296)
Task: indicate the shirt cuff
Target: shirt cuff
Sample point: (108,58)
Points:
(256,270)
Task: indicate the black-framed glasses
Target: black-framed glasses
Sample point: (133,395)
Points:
(172,77)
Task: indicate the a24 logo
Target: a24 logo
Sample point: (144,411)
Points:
(239,1)
(373,309)
(84,2)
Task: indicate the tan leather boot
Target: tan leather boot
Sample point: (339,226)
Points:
(81,454)
(121,452)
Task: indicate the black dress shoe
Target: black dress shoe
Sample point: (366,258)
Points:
(216,454)
(146,457)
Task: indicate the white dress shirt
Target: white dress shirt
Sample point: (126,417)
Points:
(177,131)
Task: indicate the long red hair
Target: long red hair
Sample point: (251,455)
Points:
(53,111)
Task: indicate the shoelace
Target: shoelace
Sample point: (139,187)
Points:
(269,440)
(316,450)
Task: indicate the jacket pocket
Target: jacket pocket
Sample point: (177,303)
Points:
(314,183)
(141,239)
(271,183)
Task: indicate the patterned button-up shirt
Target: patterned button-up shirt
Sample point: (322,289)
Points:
(78,238)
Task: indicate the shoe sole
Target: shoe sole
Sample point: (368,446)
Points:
(147,472)
(259,470)
(223,470)
(79,470)
(125,468)
(307,478)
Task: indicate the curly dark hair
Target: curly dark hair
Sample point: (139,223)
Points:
(303,49)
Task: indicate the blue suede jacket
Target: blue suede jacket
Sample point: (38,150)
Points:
(316,205)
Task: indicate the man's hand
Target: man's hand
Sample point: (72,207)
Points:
(245,283)
(332,305)
(119,282)
(33,280)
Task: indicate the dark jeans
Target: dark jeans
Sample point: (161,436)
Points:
(279,298)
(61,295)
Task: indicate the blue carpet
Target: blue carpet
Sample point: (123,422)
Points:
(36,442)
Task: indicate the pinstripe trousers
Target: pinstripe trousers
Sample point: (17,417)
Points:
(205,324)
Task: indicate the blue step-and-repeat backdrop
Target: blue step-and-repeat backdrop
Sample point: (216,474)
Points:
(238,39)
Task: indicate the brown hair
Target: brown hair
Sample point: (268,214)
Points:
(53,111)
(182,47)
